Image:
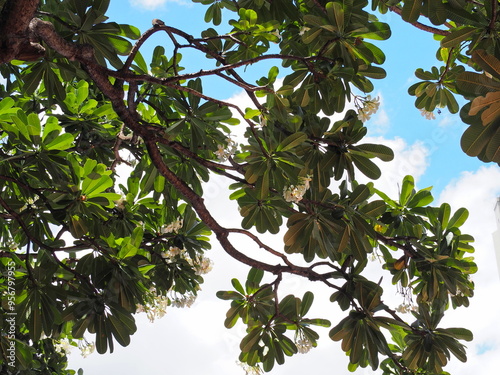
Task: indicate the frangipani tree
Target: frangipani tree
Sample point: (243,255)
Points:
(82,252)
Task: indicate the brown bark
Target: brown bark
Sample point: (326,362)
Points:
(16,43)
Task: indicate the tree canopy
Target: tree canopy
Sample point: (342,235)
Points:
(84,249)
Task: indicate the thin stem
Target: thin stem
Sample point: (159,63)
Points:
(261,244)
(448,64)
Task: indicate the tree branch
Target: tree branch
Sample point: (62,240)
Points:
(15,41)
(419,25)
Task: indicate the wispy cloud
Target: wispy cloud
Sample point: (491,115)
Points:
(381,121)
(156,4)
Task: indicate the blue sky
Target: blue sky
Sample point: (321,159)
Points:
(194,341)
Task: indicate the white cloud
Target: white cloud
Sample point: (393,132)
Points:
(409,159)
(477,191)
(156,4)
(380,123)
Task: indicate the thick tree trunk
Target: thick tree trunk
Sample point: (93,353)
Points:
(16,42)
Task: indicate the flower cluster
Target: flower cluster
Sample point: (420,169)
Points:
(406,308)
(86,348)
(171,253)
(428,115)
(303,344)
(296,193)
(156,306)
(250,370)
(203,265)
(65,346)
(224,152)
(200,263)
(370,106)
(30,203)
(172,227)
(183,300)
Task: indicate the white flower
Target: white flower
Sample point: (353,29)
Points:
(303,345)
(370,107)
(406,308)
(203,265)
(155,307)
(428,115)
(172,227)
(276,33)
(63,346)
(302,342)
(172,252)
(263,120)
(30,203)
(185,300)
(362,116)
(250,370)
(303,30)
(224,152)
(86,348)
(221,153)
(296,193)
(306,181)
(120,203)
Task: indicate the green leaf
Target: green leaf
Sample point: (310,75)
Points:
(374,209)
(382,152)
(250,340)
(62,142)
(457,36)
(420,199)
(358,247)
(411,10)
(291,141)
(476,138)
(6,104)
(476,84)
(306,304)
(489,63)
(237,285)
(232,316)
(458,218)
(251,113)
(344,238)
(229,295)
(366,166)
(101,334)
(360,194)
(406,189)
(311,35)
(374,30)
(444,214)
(119,330)
(255,276)
(458,333)
(92,187)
